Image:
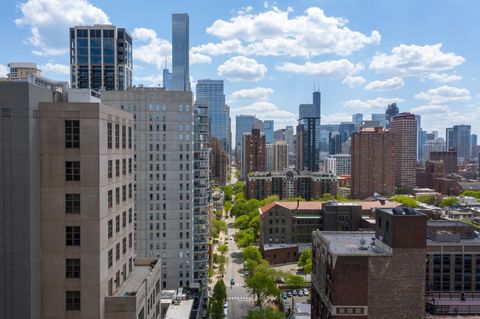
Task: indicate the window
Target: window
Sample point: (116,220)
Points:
(117,195)
(130,241)
(72,235)
(73,268)
(124,166)
(124,219)
(72,203)
(130,216)
(110,169)
(117,167)
(110,228)
(129,166)
(117,224)
(124,136)
(110,258)
(130,190)
(124,193)
(109,135)
(124,245)
(117,251)
(110,199)
(72,170)
(129,137)
(72,300)
(72,133)
(117,136)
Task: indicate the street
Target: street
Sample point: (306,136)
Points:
(239,299)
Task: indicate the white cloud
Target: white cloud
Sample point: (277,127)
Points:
(443,77)
(336,118)
(221,48)
(240,68)
(56,68)
(370,104)
(149,80)
(386,85)
(49,22)
(332,68)
(352,81)
(415,60)
(150,49)
(4,70)
(429,109)
(274,33)
(258,93)
(197,58)
(444,94)
(266,110)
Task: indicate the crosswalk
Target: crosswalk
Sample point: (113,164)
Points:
(240,298)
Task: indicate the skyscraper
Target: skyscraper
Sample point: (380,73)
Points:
(420,138)
(268,128)
(210,93)
(253,152)
(164,161)
(404,130)
(346,129)
(180,52)
(244,124)
(459,137)
(357,120)
(309,133)
(167,79)
(100,58)
(380,118)
(372,159)
(289,139)
(434,145)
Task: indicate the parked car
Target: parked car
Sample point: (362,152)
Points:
(289,294)
(305,291)
(300,292)
(294,293)
(246,273)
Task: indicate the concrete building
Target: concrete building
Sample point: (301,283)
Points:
(288,184)
(449,158)
(339,164)
(180,52)
(372,163)
(280,156)
(20,70)
(243,124)
(210,93)
(434,145)
(371,274)
(100,58)
(289,139)
(73,208)
(269,157)
(403,127)
(253,153)
(164,180)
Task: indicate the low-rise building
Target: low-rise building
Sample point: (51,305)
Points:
(371,274)
(288,184)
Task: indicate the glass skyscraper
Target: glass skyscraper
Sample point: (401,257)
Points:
(210,92)
(268,129)
(180,52)
(100,58)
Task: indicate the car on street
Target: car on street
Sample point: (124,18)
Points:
(289,294)
(300,292)
(246,273)
(294,293)
(286,306)
(305,291)
(232,281)
(225,310)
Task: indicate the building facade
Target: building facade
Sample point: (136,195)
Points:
(164,178)
(459,138)
(253,153)
(180,52)
(243,124)
(339,164)
(372,159)
(218,162)
(403,127)
(288,184)
(371,274)
(449,158)
(100,58)
(434,145)
(268,130)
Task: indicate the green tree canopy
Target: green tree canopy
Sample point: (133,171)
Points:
(471,193)
(227,192)
(265,313)
(326,197)
(227,206)
(405,200)
(429,199)
(262,283)
(218,299)
(238,187)
(269,199)
(223,249)
(448,201)
(245,237)
(253,253)
(294,280)
(305,260)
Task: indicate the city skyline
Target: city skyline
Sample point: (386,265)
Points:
(428,72)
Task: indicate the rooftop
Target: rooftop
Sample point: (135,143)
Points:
(134,280)
(311,205)
(180,310)
(352,244)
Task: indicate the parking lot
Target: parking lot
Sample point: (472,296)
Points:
(291,296)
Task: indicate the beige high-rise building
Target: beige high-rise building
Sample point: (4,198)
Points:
(67,172)
(403,127)
(280,156)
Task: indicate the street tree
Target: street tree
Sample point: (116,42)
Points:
(218,299)
(305,260)
(223,249)
(253,253)
(294,280)
(262,283)
(265,313)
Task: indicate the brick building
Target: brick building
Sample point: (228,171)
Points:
(448,157)
(253,152)
(288,184)
(371,274)
(403,127)
(372,163)
(218,161)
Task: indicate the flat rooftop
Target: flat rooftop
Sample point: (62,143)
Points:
(449,223)
(182,310)
(350,244)
(278,246)
(313,205)
(134,280)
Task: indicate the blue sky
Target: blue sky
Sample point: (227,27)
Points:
(362,54)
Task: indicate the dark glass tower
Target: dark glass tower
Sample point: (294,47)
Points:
(100,58)
(180,52)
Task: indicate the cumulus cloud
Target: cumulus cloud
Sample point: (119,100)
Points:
(266,110)
(429,109)
(415,60)
(258,93)
(273,33)
(443,77)
(386,85)
(336,118)
(332,68)
(56,68)
(3,71)
(444,94)
(352,81)
(370,104)
(240,68)
(49,22)
(149,80)
(150,49)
